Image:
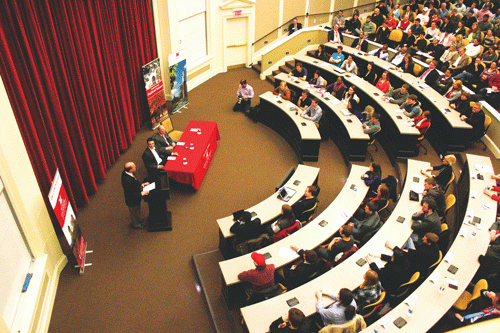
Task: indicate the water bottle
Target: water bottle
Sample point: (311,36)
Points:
(442,288)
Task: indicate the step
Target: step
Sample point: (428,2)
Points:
(257,67)
(270,78)
(276,72)
(285,69)
(290,64)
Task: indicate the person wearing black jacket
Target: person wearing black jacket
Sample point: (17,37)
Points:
(307,202)
(445,170)
(300,273)
(294,321)
(353,26)
(430,75)
(321,54)
(133,191)
(396,271)
(476,120)
(434,191)
(360,43)
(463,104)
(245,228)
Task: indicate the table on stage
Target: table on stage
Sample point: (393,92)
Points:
(196,148)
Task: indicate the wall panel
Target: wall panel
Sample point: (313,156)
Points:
(292,9)
(319,6)
(266,17)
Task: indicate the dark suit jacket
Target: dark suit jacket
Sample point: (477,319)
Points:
(291,30)
(302,205)
(161,145)
(443,84)
(364,46)
(132,190)
(431,78)
(331,35)
(391,276)
(150,161)
(302,272)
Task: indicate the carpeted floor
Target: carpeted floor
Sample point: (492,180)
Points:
(142,281)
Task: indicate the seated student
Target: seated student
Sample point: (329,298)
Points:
(369,74)
(261,277)
(492,93)
(369,28)
(406,66)
(377,17)
(446,39)
(381,53)
(283,91)
(417,28)
(471,73)
(304,100)
(369,291)
(421,43)
(409,40)
(469,19)
(433,191)
(321,53)
(294,321)
(432,32)
(449,56)
(353,108)
(404,24)
(489,312)
(473,49)
(492,194)
(444,83)
(455,91)
(425,254)
(489,56)
(411,108)
(476,120)
(424,221)
(245,228)
(285,220)
(307,202)
(360,43)
(399,57)
(317,80)
(299,72)
(341,311)
(294,27)
(350,66)
(392,23)
(350,93)
(338,57)
(434,49)
(430,75)
(462,106)
(383,33)
(383,83)
(372,178)
(422,122)
(313,112)
(461,62)
(397,96)
(339,20)
(486,76)
(301,272)
(337,88)
(445,170)
(337,245)
(396,271)
(361,228)
(380,200)
(335,35)
(368,112)
(353,26)
(372,125)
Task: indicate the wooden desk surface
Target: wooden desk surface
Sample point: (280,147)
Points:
(308,132)
(354,128)
(259,316)
(430,305)
(270,208)
(369,89)
(312,234)
(437,99)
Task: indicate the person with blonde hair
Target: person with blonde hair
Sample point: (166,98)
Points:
(283,91)
(369,291)
(445,170)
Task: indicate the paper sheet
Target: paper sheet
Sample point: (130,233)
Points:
(345,112)
(149,187)
(324,64)
(335,101)
(469,212)
(287,253)
(418,189)
(171,158)
(484,168)
(490,206)
(388,320)
(448,257)
(180,143)
(473,194)
(463,232)
(290,105)
(398,111)
(452,282)
(379,262)
(345,214)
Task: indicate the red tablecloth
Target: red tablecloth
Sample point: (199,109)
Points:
(200,141)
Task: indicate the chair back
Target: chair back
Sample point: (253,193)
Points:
(346,254)
(372,137)
(449,182)
(417,69)
(487,123)
(357,324)
(480,285)
(396,35)
(264,294)
(444,238)
(449,202)
(369,309)
(405,287)
(308,214)
(167,123)
(287,232)
(431,267)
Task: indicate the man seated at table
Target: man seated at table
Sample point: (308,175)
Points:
(426,253)
(337,245)
(335,36)
(304,100)
(152,159)
(338,57)
(411,108)
(473,49)
(245,228)
(377,17)
(372,125)
(360,43)
(383,33)
(163,142)
(293,321)
(361,228)
(430,75)
(444,83)
(339,20)
(476,120)
(369,28)
(417,28)
(492,93)
(399,57)
(301,272)
(382,52)
(353,26)
(299,72)
(313,112)
(434,49)
(350,66)
(261,277)
(305,203)
(433,191)
(341,311)
(395,272)
(487,312)
(397,96)
(463,104)
(461,62)
(424,221)
(432,32)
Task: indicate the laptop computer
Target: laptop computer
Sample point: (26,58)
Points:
(286,193)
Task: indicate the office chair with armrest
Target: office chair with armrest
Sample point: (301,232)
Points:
(431,267)
(449,182)
(465,300)
(372,143)
(169,128)
(449,202)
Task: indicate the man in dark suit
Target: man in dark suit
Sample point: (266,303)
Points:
(163,143)
(430,75)
(294,27)
(335,36)
(361,43)
(152,159)
(307,201)
(133,190)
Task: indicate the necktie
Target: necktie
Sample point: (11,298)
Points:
(425,75)
(164,138)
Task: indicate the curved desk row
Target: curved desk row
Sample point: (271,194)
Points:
(300,133)
(259,316)
(270,208)
(399,138)
(430,305)
(448,132)
(346,131)
(312,234)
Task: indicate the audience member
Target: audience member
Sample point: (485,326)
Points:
(372,125)
(449,56)
(299,72)
(434,49)
(381,52)
(462,106)
(395,272)
(377,17)
(337,245)
(461,62)
(424,221)
(411,108)
(335,35)
(350,93)
(472,72)
(317,80)
(294,27)
(245,94)
(304,100)
(445,171)
(301,272)
(321,53)
(369,74)
(360,43)
(283,91)
(433,191)
(339,20)
(313,112)
(392,23)
(353,26)
(261,277)
(455,91)
(307,202)
(423,122)
(337,88)
(245,228)
(369,28)
(473,49)
(491,311)
(397,96)
(486,76)
(433,31)
(476,120)
(338,57)
(363,227)
(285,220)
(341,311)
(383,83)
(293,321)
(469,19)
(349,65)
(382,35)
(369,291)
(460,30)
(398,58)
(492,93)
(407,65)
(444,83)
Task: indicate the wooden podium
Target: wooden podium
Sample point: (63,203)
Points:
(159,218)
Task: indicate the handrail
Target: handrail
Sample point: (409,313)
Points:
(336,11)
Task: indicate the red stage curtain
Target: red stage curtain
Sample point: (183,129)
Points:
(72,70)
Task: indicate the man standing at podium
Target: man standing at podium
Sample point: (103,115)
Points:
(133,190)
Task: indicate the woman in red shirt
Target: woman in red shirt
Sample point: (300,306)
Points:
(384,83)
(423,122)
